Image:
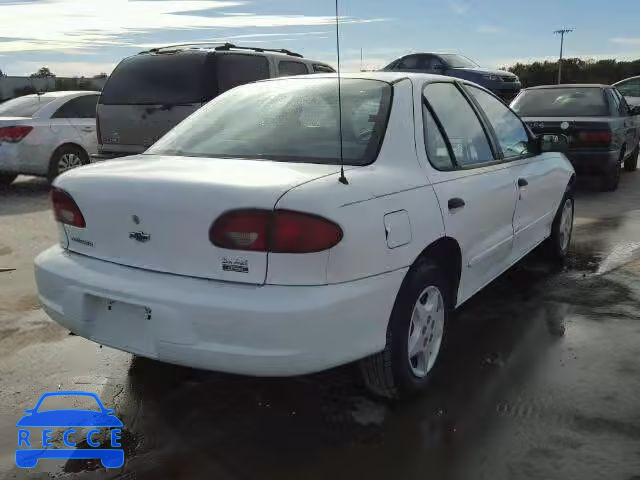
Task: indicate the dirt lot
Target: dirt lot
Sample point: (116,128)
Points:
(540,380)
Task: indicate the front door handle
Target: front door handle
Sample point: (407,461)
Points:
(455,203)
(522,182)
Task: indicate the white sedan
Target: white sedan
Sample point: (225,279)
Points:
(235,243)
(46,134)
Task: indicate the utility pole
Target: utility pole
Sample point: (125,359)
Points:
(561,32)
(361,64)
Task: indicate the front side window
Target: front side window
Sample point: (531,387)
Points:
(288,68)
(289,120)
(630,88)
(511,133)
(319,68)
(237,69)
(561,102)
(461,124)
(79,107)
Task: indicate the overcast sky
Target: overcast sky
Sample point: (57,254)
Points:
(85,37)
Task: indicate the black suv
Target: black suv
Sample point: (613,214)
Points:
(504,84)
(151,92)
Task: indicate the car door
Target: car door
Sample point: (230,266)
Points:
(475,189)
(630,122)
(75,121)
(539,185)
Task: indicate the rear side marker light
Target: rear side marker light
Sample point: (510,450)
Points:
(65,209)
(277,231)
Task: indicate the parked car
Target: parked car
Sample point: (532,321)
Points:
(630,88)
(603,131)
(46,134)
(247,251)
(504,84)
(151,92)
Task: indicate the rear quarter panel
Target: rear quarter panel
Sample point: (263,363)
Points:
(394,182)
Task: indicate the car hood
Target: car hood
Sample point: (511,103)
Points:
(486,71)
(69,418)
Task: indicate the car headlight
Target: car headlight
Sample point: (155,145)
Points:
(493,78)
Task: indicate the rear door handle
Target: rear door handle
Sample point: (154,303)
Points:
(455,203)
(522,182)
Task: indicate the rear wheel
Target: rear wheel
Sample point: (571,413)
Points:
(66,158)
(558,243)
(7,178)
(415,335)
(631,163)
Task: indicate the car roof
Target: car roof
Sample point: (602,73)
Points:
(626,79)
(64,93)
(385,76)
(570,85)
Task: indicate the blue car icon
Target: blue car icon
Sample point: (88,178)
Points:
(68,418)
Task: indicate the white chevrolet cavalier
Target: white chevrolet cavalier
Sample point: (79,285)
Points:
(234,243)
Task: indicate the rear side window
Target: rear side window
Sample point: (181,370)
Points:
(23,106)
(319,68)
(287,68)
(561,102)
(162,79)
(460,123)
(238,69)
(437,149)
(79,107)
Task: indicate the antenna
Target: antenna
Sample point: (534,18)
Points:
(342,178)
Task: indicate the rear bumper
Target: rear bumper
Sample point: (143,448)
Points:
(264,330)
(593,163)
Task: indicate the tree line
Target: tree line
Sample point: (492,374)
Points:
(575,70)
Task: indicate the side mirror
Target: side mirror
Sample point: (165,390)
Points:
(553,143)
(634,110)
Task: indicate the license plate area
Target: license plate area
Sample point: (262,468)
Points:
(122,325)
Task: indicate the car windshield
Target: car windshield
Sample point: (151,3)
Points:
(291,120)
(75,402)
(561,102)
(458,61)
(25,106)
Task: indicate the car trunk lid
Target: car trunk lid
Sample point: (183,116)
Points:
(576,129)
(155,212)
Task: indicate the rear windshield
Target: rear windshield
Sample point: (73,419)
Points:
(163,79)
(291,120)
(23,106)
(561,102)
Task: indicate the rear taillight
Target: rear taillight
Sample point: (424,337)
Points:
(14,134)
(279,231)
(595,138)
(65,209)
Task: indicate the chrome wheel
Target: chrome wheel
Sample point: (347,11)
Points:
(426,331)
(566,225)
(69,161)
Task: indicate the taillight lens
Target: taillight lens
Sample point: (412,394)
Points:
(14,134)
(65,209)
(279,231)
(595,138)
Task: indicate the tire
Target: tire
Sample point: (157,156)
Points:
(631,163)
(391,373)
(7,178)
(557,245)
(611,180)
(66,158)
